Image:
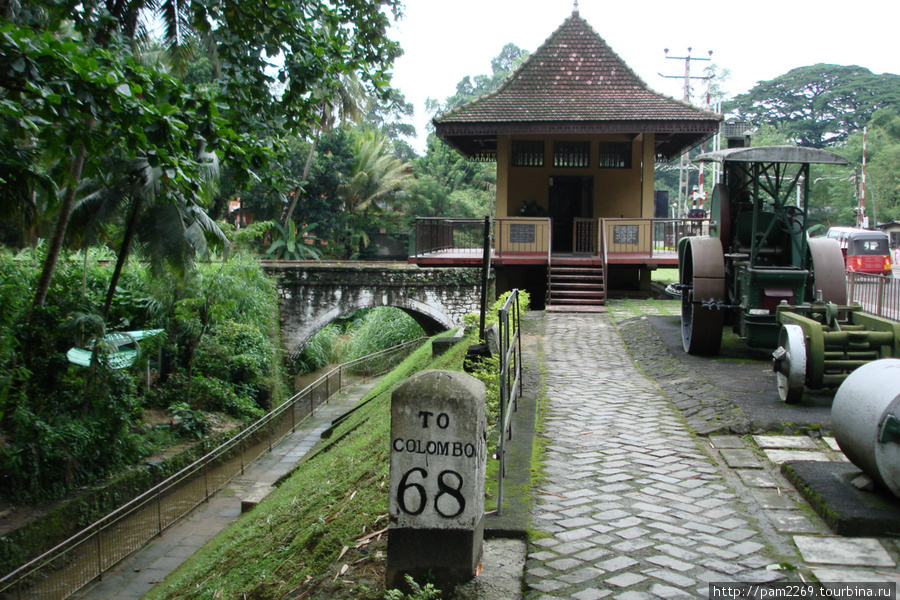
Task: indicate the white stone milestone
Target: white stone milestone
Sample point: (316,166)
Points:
(438,452)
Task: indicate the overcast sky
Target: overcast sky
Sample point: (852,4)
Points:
(445,40)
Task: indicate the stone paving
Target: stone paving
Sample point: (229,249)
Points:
(635,505)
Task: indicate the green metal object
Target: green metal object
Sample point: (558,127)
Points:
(840,339)
(118,350)
(759,212)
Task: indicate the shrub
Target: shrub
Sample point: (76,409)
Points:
(472,320)
(209,394)
(322,350)
(190,422)
(380,328)
(242,355)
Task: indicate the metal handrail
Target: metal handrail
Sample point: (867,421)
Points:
(877,294)
(438,233)
(72,564)
(652,238)
(510,388)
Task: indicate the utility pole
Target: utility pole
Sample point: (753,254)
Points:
(683,179)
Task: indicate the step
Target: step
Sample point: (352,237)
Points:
(576,276)
(556,271)
(579,302)
(576,282)
(577,291)
(575,296)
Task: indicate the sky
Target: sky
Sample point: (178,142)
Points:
(445,40)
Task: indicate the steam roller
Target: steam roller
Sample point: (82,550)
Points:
(760,273)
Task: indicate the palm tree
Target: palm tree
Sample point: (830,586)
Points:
(345,102)
(374,177)
(169,229)
(130,18)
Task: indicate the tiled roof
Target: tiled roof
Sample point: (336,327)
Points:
(574,76)
(575,84)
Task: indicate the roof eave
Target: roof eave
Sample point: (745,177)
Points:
(673,137)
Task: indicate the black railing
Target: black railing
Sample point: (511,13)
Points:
(437,234)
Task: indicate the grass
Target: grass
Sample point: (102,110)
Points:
(362,333)
(335,498)
(626,308)
(665,276)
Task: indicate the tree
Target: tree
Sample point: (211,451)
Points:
(390,116)
(882,167)
(345,103)
(374,177)
(78,104)
(819,105)
(71,82)
(169,230)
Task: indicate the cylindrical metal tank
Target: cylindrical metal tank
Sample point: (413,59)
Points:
(865,416)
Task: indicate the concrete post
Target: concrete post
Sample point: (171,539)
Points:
(438,461)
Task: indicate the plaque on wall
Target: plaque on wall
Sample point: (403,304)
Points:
(521,233)
(625,234)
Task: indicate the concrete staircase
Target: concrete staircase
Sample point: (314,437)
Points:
(575,287)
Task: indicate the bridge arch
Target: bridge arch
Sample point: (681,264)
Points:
(314,294)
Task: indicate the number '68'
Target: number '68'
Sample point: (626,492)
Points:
(413,498)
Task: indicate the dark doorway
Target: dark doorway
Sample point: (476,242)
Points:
(570,198)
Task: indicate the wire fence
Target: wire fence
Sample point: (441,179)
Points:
(66,568)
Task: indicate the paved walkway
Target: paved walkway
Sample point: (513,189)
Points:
(136,575)
(634,505)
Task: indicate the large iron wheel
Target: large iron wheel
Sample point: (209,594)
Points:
(720,213)
(789,364)
(703,275)
(828,271)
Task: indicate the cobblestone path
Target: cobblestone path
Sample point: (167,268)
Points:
(632,506)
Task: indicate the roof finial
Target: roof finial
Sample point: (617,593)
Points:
(575,9)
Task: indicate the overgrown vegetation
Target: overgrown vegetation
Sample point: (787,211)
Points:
(64,425)
(359,334)
(320,534)
(488,370)
(325,514)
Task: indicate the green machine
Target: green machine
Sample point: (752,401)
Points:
(764,276)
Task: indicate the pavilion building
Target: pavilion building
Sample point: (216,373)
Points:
(575,134)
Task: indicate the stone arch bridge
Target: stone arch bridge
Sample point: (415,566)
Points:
(313,294)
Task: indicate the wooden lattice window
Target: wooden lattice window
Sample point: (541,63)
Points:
(528,154)
(572,154)
(614,155)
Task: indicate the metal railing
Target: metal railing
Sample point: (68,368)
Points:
(877,294)
(523,235)
(649,238)
(639,239)
(513,235)
(585,234)
(66,568)
(510,380)
(440,234)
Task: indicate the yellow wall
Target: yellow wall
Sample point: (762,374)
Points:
(504,149)
(617,192)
